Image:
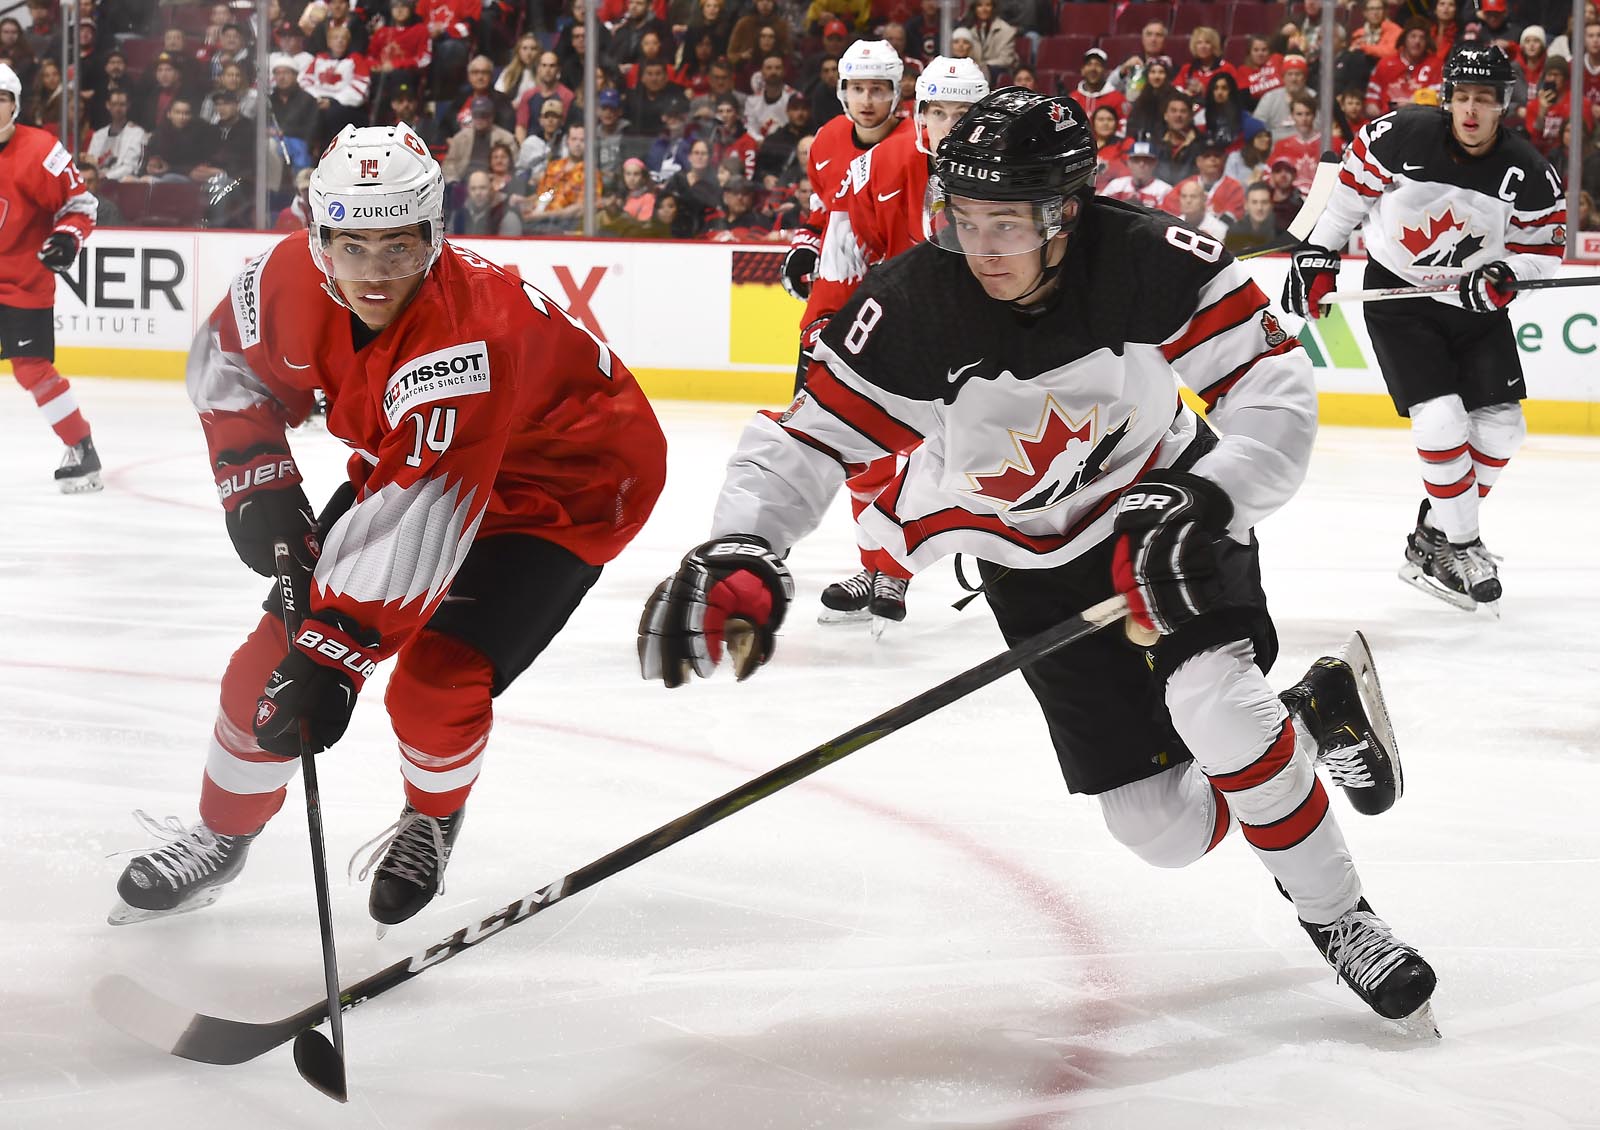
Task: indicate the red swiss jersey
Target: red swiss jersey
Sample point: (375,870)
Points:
(832,150)
(877,215)
(40,193)
(483,409)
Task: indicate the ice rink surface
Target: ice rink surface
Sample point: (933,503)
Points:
(931,933)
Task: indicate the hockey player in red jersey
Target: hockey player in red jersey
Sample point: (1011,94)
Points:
(46,213)
(1446,194)
(879,214)
(1030,376)
(869,91)
(501,454)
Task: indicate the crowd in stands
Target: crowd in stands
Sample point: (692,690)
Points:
(705,108)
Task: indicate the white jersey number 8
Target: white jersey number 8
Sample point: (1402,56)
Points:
(856,340)
(1200,246)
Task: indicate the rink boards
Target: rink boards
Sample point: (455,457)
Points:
(708,321)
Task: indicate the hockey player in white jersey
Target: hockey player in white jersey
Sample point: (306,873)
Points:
(1445,195)
(1023,362)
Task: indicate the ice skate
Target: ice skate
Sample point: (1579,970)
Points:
(1394,979)
(1341,704)
(1461,576)
(187,874)
(847,601)
(888,605)
(79,472)
(410,859)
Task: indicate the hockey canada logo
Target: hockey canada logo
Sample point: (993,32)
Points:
(799,403)
(1440,241)
(1272,329)
(1053,462)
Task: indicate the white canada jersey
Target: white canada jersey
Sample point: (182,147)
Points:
(1433,214)
(1020,431)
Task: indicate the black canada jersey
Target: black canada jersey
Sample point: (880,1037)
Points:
(1019,430)
(1432,213)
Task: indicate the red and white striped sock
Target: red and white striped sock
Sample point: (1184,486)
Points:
(53,395)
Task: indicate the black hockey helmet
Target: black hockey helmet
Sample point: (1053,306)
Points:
(1013,146)
(1481,64)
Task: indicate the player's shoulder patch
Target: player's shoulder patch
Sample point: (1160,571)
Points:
(56,160)
(455,370)
(245,294)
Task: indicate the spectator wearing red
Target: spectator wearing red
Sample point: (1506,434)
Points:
(1531,57)
(835,42)
(1112,146)
(480,84)
(401,48)
(1094,91)
(612,12)
(691,67)
(1262,71)
(1378,37)
(1224,196)
(1349,115)
(638,193)
(1141,185)
(1303,148)
(1549,110)
(1591,65)
(1205,60)
(1445,26)
(728,136)
(452,29)
(1494,25)
(1274,107)
(1397,79)
(166,86)
(297,216)
(652,49)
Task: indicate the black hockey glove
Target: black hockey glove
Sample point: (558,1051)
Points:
(732,590)
(1484,290)
(1312,272)
(310,695)
(264,503)
(60,251)
(799,265)
(1169,525)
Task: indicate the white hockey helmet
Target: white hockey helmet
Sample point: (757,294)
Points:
(868,60)
(375,178)
(10,83)
(947,80)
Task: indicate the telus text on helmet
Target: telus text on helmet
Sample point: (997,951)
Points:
(973,172)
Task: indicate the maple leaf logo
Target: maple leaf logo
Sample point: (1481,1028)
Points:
(1035,452)
(1419,239)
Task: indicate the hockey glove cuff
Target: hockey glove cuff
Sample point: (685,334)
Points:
(1168,526)
(264,503)
(729,592)
(800,264)
(311,694)
(1313,271)
(60,251)
(1485,290)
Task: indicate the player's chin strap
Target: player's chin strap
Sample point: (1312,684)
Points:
(1071,209)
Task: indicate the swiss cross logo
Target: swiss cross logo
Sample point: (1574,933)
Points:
(414,144)
(369,168)
(265,709)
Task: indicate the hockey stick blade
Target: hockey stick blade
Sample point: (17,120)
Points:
(1325,180)
(211,1039)
(320,1064)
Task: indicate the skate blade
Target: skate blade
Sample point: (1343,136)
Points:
(833,617)
(124,915)
(880,624)
(83,484)
(1357,652)
(1417,579)
(1422,1022)
(382,930)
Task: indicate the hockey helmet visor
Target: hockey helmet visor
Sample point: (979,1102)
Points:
(377,204)
(980,227)
(1479,64)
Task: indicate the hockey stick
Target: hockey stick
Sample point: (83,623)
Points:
(1384,294)
(320,1063)
(213,1039)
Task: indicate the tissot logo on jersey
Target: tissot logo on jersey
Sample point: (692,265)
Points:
(460,370)
(1053,462)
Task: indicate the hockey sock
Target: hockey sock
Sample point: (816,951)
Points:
(53,395)
(1496,434)
(439,703)
(1439,428)
(1242,737)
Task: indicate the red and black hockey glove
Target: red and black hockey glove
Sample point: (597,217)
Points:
(1312,272)
(800,264)
(1484,290)
(60,251)
(730,591)
(264,503)
(1169,527)
(310,696)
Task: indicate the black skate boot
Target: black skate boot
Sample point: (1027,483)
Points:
(1340,704)
(79,472)
(846,602)
(187,874)
(410,859)
(1394,979)
(1470,570)
(888,600)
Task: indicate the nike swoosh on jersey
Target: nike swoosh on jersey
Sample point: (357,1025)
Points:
(882,196)
(25,342)
(1408,167)
(824,164)
(952,374)
(292,365)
